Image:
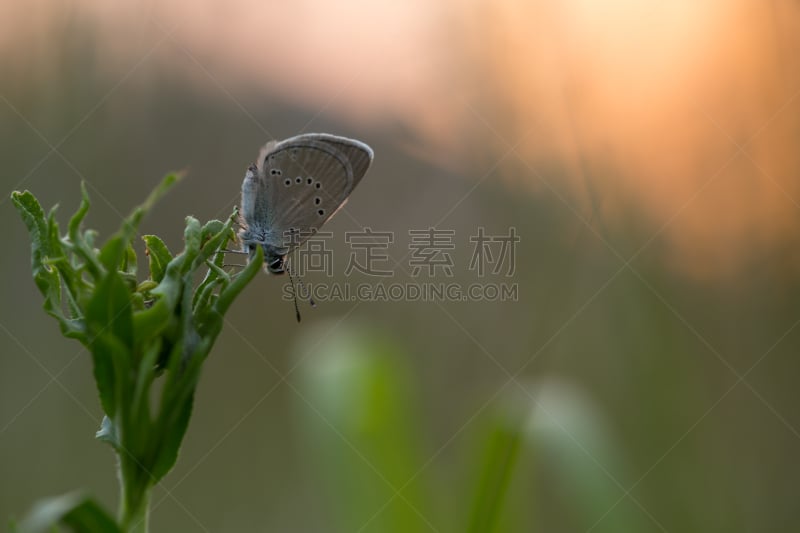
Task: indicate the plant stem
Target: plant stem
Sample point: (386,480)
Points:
(134,513)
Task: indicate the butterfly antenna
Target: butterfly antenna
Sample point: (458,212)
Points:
(303,289)
(294,292)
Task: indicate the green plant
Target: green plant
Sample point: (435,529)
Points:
(141,335)
(361,418)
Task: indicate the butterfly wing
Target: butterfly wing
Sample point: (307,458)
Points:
(303,181)
(358,154)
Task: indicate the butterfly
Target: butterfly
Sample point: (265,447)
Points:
(296,186)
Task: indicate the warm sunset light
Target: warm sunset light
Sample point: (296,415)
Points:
(560,292)
(644,102)
(658,103)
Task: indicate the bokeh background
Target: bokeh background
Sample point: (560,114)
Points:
(646,153)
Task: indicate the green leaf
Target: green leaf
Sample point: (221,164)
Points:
(204,298)
(55,250)
(76,511)
(110,322)
(44,236)
(229,294)
(176,405)
(218,236)
(212,243)
(146,286)
(76,220)
(172,436)
(112,254)
(111,365)
(82,244)
(33,216)
(159,256)
(113,251)
(177,396)
(129,263)
(211,229)
(149,323)
(498,462)
(131,224)
(163,312)
(161,189)
(357,390)
(109,310)
(140,402)
(193,239)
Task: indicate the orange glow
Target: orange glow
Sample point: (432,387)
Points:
(647,102)
(660,97)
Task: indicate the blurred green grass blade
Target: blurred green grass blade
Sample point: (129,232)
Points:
(79,513)
(573,447)
(499,461)
(357,409)
(572,440)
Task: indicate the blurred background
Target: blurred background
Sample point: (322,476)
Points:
(646,154)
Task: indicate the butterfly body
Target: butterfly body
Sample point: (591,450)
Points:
(296,186)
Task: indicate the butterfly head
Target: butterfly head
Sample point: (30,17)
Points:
(274,256)
(275,263)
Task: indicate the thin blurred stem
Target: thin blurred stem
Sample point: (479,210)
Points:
(134,514)
(498,467)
